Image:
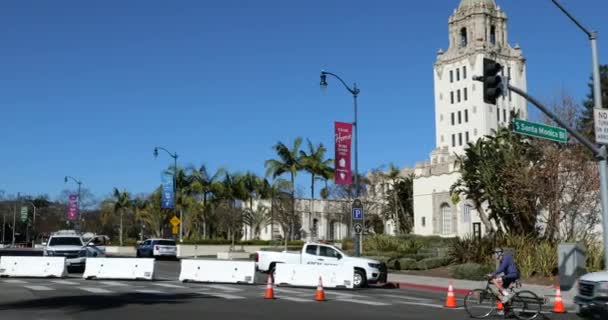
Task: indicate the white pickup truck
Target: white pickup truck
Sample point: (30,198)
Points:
(592,297)
(367,271)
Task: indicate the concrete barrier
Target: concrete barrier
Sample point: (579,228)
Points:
(308,275)
(11,266)
(120,251)
(119,268)
(217,271)
(184,251)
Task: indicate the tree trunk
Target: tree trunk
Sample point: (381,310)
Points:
(293,208)
(312,204)
(120,231)
(484,218)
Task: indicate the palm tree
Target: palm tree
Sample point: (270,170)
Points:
(204,184)
(122,203)
(289,161)
(251,184)
(314,162)
(256,219)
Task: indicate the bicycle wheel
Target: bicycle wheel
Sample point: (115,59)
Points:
(525,305)
(480,303)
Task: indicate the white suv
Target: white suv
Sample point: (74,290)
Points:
(66,244)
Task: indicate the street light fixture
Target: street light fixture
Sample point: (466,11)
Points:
(597,98)
(78,204)
(174,156)
(354,91)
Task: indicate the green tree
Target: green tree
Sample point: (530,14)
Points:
(586,125)
(122,204)
(289,161)
(400,199)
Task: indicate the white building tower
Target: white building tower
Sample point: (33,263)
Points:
(477,30)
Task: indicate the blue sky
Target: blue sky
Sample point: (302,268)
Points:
(89,88)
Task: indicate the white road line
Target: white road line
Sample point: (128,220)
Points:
(346,295)
(295,299)
(14,281)
(72,283)
(294,291)
(95,290)
(150,291)
(222,295)
(39,288)
(225,288)
(168,285)
(371,303)
(113,283)
(406,297)
(437,306)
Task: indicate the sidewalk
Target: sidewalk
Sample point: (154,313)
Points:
(462,287)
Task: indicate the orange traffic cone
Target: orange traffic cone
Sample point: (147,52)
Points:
(450,301)
(558,305)
(320,295)
(499,306)
(269,290)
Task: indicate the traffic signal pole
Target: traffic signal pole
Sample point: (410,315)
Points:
(599,153)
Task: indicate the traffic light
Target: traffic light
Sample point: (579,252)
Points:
(492,81)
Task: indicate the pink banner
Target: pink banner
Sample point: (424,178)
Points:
(73,207)
(344,134)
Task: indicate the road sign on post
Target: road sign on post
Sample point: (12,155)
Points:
(539,130)
(601,125)
(175,221)
(23,214)
(358,228)
(357,218)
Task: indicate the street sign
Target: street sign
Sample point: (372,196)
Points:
(358,228)
(357,210)
(175,221)
(539,130)
(174,230)
(600,117)
(23,214)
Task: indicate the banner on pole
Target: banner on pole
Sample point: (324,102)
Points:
(73,207)
(168,196)
(343,138)
(23,214)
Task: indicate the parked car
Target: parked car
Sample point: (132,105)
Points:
(366,271)
(592,296)
(89,251)
(157,248)
(65,243)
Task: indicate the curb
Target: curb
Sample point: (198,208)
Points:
(430,288)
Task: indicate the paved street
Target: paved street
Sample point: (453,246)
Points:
(75,298)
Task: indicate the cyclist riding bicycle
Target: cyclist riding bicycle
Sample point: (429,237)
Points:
(506,274)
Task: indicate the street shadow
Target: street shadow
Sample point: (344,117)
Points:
(98,302)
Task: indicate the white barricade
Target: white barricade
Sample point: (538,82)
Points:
(308,275)
(119,268)
(33,267)
(217,271)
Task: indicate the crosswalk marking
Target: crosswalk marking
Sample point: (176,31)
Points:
(14,281)
(150,291)
(293,291)
(371,303)
(113,283)
(225,288)
(168,285)
(222,295)
(71,283)
(39,288)
(437,306)
(95,290)
(395,296)
(295,299)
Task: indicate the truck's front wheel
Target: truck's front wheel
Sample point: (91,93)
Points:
(359,281)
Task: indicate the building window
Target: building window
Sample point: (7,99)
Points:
(458,95)
(466,214)
(464,72)
(460,139)
(453,118)
(451,76)
(466,95)
(446,219)
(498,114)
(463,37)
(453,140)
(493,35)
(442,138)
(504,114)
(466,137)
(459,117)
(509,75)
(457,74)
(424,221)
(475,132)
(441,117)
(466,115)
(452,97)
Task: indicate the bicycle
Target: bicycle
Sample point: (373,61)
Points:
(482,303)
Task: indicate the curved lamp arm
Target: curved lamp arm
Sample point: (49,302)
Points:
(354,91)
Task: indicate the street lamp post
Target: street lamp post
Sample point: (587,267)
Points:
(33,220)
(597,98)
(355,93)
(77,204)
(174,156)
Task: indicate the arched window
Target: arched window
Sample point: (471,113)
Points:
(493,35)
(463,37)
(446,219)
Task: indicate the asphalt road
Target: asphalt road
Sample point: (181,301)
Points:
(76,298)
